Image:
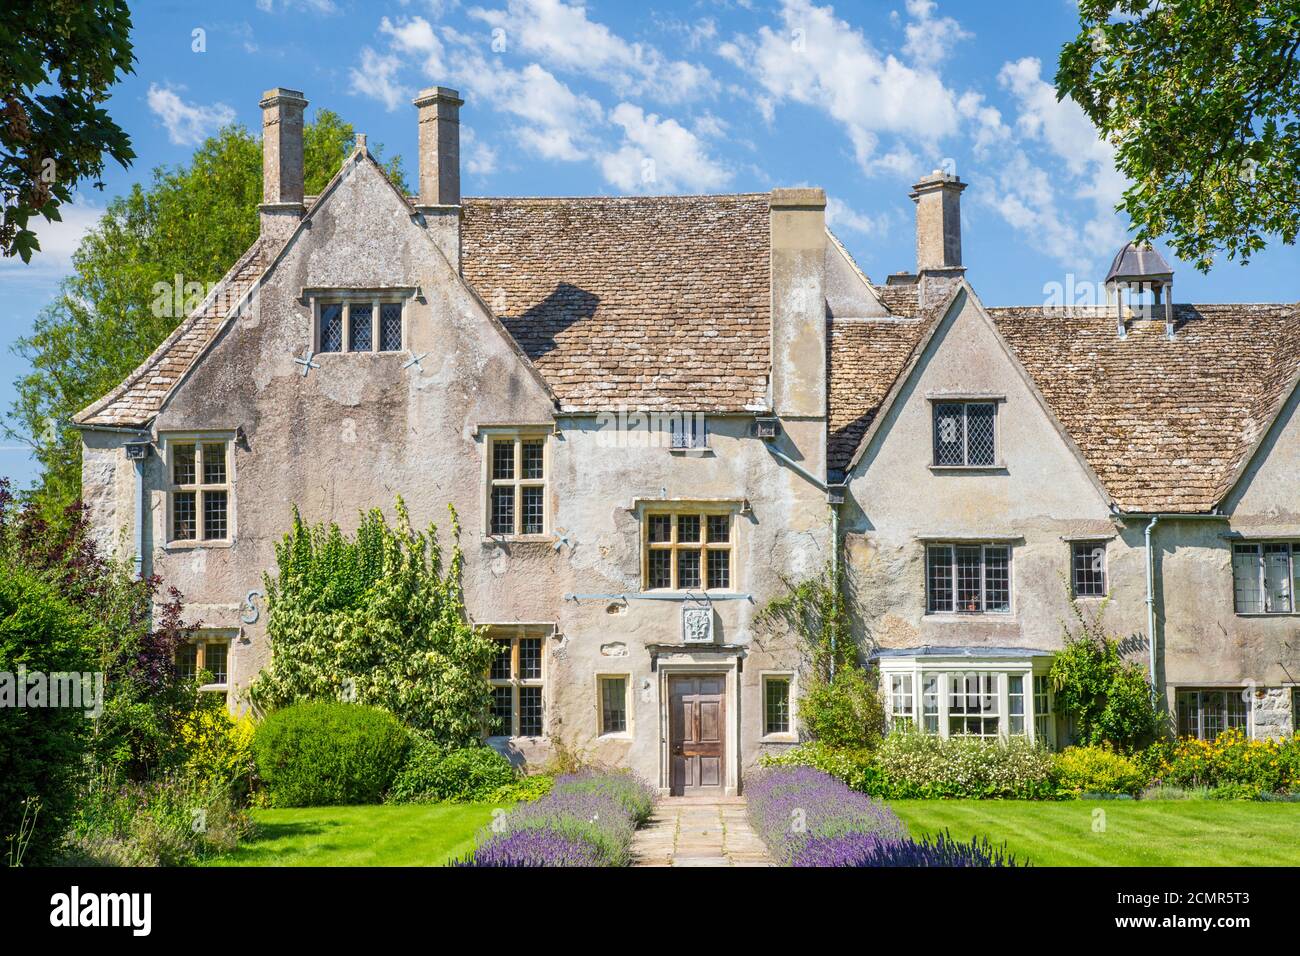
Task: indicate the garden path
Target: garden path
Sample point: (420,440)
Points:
(695,832)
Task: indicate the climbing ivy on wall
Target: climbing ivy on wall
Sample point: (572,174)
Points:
(376,617)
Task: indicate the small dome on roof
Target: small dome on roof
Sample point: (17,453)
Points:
(1138,263)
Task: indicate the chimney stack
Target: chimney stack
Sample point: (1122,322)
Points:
(282,175)
(439,201)
(439,146)
(938,224)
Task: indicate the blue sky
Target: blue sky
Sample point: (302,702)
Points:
(665,97)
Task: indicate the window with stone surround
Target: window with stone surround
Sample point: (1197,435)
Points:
(777,695)
(965,434)
(1265,576)
(362,323)
(1088,568)
(516,679)
(613,689)
(198,490)
(688,549)
(968,579)
(207,655)
(516,500)
(1206,713)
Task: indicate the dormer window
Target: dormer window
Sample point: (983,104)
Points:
(965,434)
(358,324)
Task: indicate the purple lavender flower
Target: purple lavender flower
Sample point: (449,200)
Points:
(533,847)
(790,806)
(864,849)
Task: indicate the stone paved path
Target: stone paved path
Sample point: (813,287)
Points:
(694,832)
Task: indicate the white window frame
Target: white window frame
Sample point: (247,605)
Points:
(514,633)
(675,510)
(518,436)
(791,735)
(922,670)
(1228,690)
(601,730)
(902,700)
(1261,555)
(347,301)
(168,444)
(984,547)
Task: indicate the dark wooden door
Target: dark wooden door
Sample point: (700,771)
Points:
(697,729)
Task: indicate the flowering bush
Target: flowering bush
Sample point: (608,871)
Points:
(1233,764)
(862,849)
(927,766)
(856,768)
(533,847)
(791,806)
(219,749)
(1081,770)
(587,819)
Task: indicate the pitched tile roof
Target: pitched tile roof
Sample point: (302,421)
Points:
(863,358)
(141,395)
(1164,424)
(648,302)
(645,302)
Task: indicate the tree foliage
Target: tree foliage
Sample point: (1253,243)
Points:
(1110,700)
(60,60)
(185,229)
(1201,99)
(376,618)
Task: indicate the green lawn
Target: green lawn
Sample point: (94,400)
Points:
(410,835)
(1136,833)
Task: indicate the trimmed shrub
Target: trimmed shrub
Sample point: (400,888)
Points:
(539,847)
(432,774)
(633,794)
(795,808)
(845,712)
(1085,770)
(586,820)
(858,849)
(324,753)
(916,765)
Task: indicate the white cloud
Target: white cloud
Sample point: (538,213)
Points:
(59,240)
(842,217)
(822,61)
(659,155)
(415,36)
(561,36)
(480,158)
(929,38)
(187,123)
(307,6)
(376,78)
(1040,203)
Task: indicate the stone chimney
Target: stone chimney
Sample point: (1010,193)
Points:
(938,225)
(798,241)
(439,201)
(282,207)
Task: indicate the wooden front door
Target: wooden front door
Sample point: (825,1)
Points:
(697,728)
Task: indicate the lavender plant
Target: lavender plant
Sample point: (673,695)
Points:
(869,849)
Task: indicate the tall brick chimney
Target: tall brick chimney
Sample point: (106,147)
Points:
(282,175)
(938,224)
(439,201)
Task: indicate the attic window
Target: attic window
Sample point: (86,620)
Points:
(687,431)
(965,434)
(360,324)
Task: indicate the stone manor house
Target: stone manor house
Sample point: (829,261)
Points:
(650,412)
